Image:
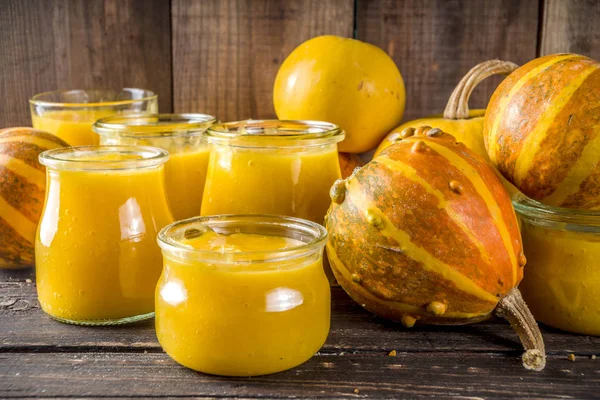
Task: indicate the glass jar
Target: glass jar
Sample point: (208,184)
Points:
(242,304)
(69,114)
(562,276)
(272,167)
(97,261)
(182,136)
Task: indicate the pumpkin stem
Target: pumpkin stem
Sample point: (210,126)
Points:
(458,104)
(513,308)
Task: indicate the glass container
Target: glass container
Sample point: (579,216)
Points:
(97,261)
(272,167)
(182,136)
(561,283)
(70,114)
(251,298)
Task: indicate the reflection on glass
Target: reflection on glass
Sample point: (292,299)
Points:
(283,299)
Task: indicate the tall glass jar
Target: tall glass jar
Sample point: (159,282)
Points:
(242,295)
(561,283)
(182,136)
(272,167)
(69,114)
(97,261)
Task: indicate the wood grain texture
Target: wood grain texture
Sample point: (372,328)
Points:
(56,44)
(571,26)
(435,42)
(226,54)
(408,375)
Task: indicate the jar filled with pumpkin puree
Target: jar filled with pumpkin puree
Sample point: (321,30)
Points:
(561,283)
(242,295)
(272,167)
(97,261)
(70,114)
(182,136)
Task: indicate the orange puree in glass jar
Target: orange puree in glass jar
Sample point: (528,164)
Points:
(182,136)
(70,114)
(561,282)
(97,261)
(274,167)
(242,295)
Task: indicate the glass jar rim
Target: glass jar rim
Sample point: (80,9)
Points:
(38,99)
(169,238)
(275,133)
(142,125)
(531,209)
(74,158)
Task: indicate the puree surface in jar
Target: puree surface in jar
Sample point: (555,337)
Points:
(96,253)
(242,319)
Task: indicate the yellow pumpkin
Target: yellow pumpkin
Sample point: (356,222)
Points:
(345,81)
(464,124)
(22,190)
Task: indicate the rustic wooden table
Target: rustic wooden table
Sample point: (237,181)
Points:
(43,358)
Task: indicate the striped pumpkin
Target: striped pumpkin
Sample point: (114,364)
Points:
(22,191)
(426,232)
(542,130)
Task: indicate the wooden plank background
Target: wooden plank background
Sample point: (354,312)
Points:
(221,57)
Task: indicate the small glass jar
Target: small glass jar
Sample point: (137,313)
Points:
(561,283)
(242,311)
(272,167)
(97,261)
(69,114)
(182,136)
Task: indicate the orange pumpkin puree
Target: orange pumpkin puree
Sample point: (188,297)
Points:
(74,127)
(96,253)
(241,319)
(281,182)
(562,280)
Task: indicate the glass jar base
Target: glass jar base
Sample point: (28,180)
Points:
(104,322)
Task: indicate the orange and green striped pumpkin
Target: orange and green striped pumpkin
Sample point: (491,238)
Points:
(22,192)
(542,130)
(425,231)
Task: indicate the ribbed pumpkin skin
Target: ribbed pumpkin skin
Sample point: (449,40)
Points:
(426,231)
(542,130)
(22,192)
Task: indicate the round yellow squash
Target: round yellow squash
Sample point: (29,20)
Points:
(464,124)
(345,81)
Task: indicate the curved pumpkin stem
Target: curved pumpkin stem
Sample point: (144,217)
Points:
(458,104)
(513,308)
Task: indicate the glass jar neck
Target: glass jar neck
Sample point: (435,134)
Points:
(150,126)
(312,238)
(271,134)
(103,158)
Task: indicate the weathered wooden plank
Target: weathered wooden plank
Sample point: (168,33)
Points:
(227,52)
(408,375)
(571,26)
(435,42)
(353,330)
(54,44)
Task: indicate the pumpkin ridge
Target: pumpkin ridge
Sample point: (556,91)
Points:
(21,168)
(342,272)
(14,248)
(444,203)
(40,141)
(547,118)
(501,108)
(415,252)
(484,192)
(26,152)
(21,225)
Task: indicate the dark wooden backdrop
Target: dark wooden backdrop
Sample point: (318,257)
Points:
(221,56)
